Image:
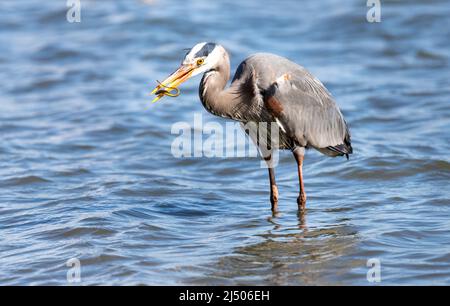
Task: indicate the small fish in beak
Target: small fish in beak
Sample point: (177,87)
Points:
(170,84)
(166,91)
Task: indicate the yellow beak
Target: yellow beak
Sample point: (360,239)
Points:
(170,84)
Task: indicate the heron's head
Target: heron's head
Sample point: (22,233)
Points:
(201,58)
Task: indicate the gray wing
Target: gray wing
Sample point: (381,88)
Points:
(301,105)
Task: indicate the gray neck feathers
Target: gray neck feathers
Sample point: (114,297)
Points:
(215,98)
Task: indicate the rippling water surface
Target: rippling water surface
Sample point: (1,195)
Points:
(86,169)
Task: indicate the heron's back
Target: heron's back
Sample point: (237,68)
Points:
(292,96)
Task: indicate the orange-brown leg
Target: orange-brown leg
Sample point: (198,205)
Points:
(273,184)
(273,190)
(301,200)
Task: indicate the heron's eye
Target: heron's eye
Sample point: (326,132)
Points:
(200,61)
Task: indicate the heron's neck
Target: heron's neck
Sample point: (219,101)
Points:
(215,98)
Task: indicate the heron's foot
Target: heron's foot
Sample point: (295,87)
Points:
(301,202)
(274,197)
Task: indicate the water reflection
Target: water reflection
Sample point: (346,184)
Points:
(295,255)
(301,215)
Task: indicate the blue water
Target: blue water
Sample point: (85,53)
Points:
(86,169)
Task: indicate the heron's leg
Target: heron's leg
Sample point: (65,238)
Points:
(273,190)
(273,185)
(299,154)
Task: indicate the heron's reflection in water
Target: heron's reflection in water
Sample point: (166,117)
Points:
(292,254)
(301,215)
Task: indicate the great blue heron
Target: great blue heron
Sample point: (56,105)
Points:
(267,88)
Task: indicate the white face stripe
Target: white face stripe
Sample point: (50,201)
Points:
(211,60)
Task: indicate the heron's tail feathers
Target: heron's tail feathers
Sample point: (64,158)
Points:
(342,149)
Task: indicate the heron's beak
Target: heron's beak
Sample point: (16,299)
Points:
(170,84)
